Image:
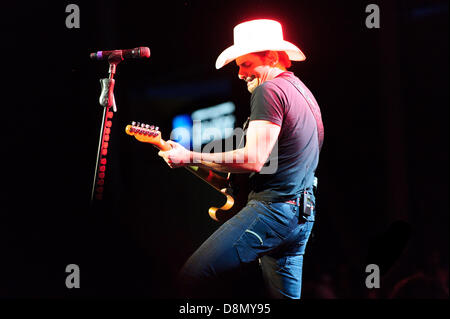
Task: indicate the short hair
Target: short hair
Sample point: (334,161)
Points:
(283,58)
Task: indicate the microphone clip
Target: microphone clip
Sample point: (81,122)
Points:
(107,94)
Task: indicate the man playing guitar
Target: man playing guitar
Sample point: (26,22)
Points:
(286,132)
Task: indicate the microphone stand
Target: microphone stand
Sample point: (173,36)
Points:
(107,101)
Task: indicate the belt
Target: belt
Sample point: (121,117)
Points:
(304,202)
(298,201)
(293,202)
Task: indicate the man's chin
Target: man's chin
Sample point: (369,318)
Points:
(251,86)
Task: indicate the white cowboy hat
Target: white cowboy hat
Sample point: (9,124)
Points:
(256,36)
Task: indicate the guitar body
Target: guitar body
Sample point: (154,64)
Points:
(152,135)
(239,191)
(221,213)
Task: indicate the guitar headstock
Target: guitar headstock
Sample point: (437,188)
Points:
(144,133)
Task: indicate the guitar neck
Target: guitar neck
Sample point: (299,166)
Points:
(152,135)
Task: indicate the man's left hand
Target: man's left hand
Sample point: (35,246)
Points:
(178,156)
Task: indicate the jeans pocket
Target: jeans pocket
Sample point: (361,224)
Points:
(256,240)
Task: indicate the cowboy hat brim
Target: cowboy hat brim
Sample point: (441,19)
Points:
(234,52)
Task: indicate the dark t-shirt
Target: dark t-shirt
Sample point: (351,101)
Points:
(294,158)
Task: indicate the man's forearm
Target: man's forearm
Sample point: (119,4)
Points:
(236,161)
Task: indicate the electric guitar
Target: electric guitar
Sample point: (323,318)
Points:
(151,134)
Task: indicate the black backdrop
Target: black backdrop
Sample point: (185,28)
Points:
(383,172)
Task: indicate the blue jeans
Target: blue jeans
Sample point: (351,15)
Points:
(274,233)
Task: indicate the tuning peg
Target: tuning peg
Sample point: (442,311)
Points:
(142,125)
(147,126)
(152,130)
(156,128)
(133,123)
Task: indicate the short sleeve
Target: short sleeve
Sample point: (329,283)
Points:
(266,104)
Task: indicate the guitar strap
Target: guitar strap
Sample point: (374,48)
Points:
(315,110)
(308,206)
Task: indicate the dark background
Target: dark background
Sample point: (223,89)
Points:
(383,172)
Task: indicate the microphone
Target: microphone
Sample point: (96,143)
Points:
(140,52)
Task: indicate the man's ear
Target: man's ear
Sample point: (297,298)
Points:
(272,58)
